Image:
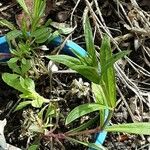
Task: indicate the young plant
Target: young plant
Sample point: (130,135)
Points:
(102,75)
(23,44)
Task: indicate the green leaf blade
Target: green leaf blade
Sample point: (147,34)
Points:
(64,59)
(13,81)
(91,73)
(82,110)
(22,105)
(89,40)
(133,128)
(113,59)
(13,34)
(108,76)
(88,72)
(90,145)
(23,5)
(4,22)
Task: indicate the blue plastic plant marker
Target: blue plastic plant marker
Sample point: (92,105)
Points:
(4,49)
(101,136)
(74,47)
(68,47)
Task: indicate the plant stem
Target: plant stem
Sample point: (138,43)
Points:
(91,131)
(64,135)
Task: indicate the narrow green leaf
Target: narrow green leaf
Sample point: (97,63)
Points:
(22,105)
(53,35)
(4,22)
(23,5)
(66,31)
(85,125)
(108,76)
(13,35)
(37,13)
(99,94)
(39,8)
(39,32)
(101,99)
(133,128)
(64,59)
(90,145)
(43,38)
(90,41)
(113,59)
(88,72)
(82,110)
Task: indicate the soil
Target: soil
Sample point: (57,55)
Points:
(132,73)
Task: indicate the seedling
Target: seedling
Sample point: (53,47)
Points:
(101,73)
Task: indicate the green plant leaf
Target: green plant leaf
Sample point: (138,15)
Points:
(37,13)
(27,84)
(108,76)
(13,80)
(23,5)
(53,35)
(26,66)
(65,30)
(51,110)
(84,125)
(89,41)
(33,147)
(4,22)
(91,73)
(90,145)
(82,110)
(99,94)
(41,34)
(12,63)
(39,8)
(22,105)
(37,103)
(13,34)
(43,38)
(38,100)
(134,128)
(88,72)
(113,59)
(64,59)
(100,99)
